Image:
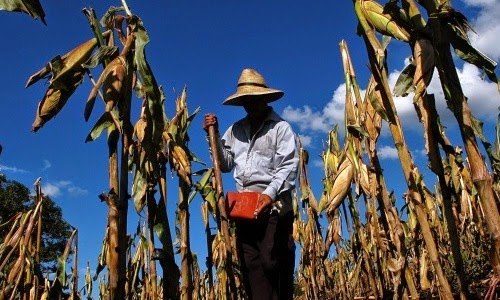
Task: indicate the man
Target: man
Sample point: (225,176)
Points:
(262,150)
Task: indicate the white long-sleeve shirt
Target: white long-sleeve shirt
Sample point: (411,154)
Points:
(266,162)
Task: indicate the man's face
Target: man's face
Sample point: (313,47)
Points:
(256,108)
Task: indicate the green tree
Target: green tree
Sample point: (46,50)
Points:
(15,197)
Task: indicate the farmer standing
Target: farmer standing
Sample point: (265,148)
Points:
(261,148)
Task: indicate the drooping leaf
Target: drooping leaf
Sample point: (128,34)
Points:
(404,83)
(205,188)
(139,186)
(359,129)
(470,54)
(477,126)
(379,108)
(493,155)
(98,57)
(31,7)
(153,93)
(161,223)
(109,15)
(191,117)
(105,121)
(61,261)
(102,260)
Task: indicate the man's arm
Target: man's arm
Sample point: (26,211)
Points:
(286,163)
(226,156)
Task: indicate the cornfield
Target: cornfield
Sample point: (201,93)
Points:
(354,242)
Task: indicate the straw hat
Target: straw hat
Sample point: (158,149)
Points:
(252,86)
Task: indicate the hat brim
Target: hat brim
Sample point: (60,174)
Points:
(238,99)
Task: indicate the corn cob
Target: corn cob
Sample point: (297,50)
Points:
(178,158)
(64,67)
(18,266)
(382,22)
(117,81)
(53,101)
(364,179)
(67,75)
(333,232)
(340,187)
(140,129)
(112,79)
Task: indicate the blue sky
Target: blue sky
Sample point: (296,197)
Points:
(205,45)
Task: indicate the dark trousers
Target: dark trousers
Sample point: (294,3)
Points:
(267,254)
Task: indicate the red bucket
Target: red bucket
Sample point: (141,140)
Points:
(242,205)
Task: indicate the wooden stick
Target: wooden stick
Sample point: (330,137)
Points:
(221,204)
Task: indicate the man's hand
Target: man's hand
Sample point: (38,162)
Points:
(264,202)
(210,120)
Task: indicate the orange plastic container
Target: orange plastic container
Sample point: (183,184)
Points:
(242,205)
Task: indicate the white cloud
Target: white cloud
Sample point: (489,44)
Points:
(387,152)
(318,163)
(305,140)
(51,190)
(318,121)
(46,165)
(419,153)
(479,2)
(305,118)
(487,27)
(483,97)
(13,169)
(57,189)
(77,191)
